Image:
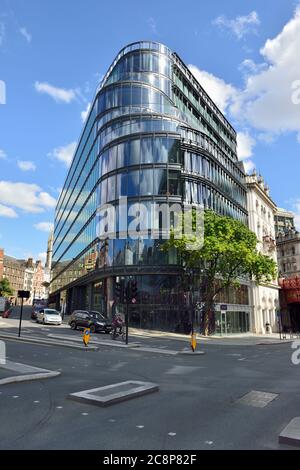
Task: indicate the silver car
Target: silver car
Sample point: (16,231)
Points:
(49,316)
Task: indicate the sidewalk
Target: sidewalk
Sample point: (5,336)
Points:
(233,339)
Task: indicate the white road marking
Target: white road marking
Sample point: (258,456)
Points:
(209,442)
(140,426)
(15,396)
(172,434)
(242,359)
(36,401)
(59,407)
(84,414)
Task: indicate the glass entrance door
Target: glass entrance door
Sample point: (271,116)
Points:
(223,323)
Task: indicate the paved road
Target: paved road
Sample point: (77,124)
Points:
(196,408)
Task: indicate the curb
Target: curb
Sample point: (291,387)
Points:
(28,377)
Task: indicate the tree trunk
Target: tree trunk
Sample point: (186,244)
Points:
(208,319)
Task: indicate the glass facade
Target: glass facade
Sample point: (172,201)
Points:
(152,135)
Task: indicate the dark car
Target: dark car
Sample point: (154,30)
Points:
(89,319)
(34,313)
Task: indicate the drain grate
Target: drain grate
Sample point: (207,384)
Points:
(257,399)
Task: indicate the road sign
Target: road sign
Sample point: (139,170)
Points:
(223,308)
(193,342)
(86,336)
(24,294)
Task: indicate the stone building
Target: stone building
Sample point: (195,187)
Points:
(261,210)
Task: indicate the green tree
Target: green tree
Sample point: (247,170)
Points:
(228,252)
(5,289)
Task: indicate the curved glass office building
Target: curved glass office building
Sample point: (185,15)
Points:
(152,135)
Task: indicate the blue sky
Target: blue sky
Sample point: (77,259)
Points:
(53,53)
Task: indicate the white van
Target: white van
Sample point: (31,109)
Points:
(2,304)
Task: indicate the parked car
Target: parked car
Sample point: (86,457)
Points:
(89,319)
(34,313)
(49,316)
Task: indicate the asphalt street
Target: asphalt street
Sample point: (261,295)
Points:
(197,406)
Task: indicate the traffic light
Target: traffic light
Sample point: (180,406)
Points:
(120,291)
(133,292)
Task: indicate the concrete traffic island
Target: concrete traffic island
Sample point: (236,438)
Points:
(291,433)
(115,393)
(14,372)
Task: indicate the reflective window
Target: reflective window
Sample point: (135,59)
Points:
(134,152)
(111,188)
(133,183)
(160,181)
(103,192)
(123,154)
(112,158)
(146,182)
(121,185)
(147,150)
(174,183)
(174,151)
(104,163)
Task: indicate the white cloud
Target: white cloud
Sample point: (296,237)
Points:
(152,25)
(2,155)
(26,34)
(42,257)
(249,166)
(266,102)
(295,204)
(222,93)
(26,165)
(241,25)
(248,66)
(85,113)
(44,226)
(58,94)
(7,212)
(64,153)
(24,196)
(245,144)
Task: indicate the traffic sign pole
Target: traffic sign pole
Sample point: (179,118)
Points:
(21,314)
(23,294)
